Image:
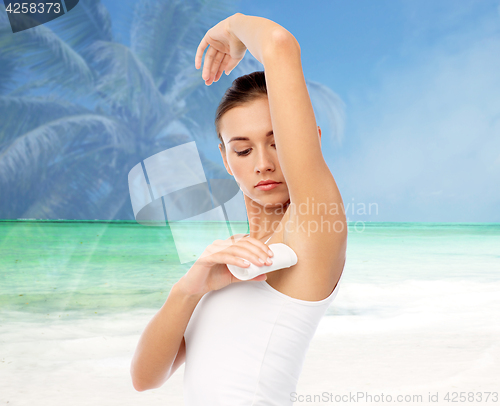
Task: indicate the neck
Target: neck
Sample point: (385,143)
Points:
(264,220)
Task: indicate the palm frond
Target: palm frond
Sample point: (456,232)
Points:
(47,55)
(201,105)
(27,150)
(125,81)
(22,114)
(165,34)
(28,87)
(65,191)
(7,71)
(88,22)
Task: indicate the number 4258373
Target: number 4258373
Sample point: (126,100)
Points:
(33,8)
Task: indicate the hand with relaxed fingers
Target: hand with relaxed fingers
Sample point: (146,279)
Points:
(225,52)
(210,271)
(229,40)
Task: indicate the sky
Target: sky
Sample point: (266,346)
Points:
(420,85)
(420,81)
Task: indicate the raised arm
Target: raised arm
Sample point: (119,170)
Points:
(294,124)
(292,115)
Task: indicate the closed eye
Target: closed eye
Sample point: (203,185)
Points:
(243,153)
(247,151)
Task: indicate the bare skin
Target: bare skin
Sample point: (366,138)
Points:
(294,158)
(306,210)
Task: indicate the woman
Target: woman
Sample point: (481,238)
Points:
(244,342)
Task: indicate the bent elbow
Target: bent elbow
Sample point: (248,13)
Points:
(141,385)
(136,382)
(138,389)
(137,386)
(283,38)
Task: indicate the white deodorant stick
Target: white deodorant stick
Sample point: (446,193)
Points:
(284,257)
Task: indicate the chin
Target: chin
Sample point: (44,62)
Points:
(271,201)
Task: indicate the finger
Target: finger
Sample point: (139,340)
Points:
(199,53)
(251,253)
(225,257)
(222,66)
(216,65)
(207,65)
(259,245)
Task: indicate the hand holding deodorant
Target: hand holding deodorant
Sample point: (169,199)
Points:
(284,257)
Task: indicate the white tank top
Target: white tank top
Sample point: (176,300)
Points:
(246,344)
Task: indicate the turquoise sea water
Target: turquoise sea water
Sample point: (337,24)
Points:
(87,267)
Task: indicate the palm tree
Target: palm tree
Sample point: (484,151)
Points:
(78,108)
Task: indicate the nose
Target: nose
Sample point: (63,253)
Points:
(264,162)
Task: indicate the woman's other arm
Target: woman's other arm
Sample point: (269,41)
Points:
(161,348)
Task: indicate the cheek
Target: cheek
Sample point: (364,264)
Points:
(238,166)
(242,172)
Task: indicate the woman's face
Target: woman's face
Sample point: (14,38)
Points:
(253,158)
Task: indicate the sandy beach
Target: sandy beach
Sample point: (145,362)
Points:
(430,344)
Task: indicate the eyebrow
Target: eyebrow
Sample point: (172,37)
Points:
(269,133)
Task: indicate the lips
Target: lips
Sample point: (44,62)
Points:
(266,182)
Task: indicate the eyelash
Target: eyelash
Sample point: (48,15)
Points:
(242,153)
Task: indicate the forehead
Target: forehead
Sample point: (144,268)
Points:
(251,119)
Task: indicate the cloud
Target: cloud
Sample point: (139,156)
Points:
(429,133)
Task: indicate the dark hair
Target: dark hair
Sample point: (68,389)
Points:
(243,90)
